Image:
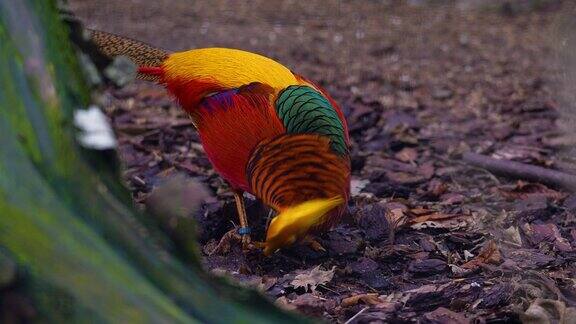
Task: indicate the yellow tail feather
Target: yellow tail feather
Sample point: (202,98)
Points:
(293,223)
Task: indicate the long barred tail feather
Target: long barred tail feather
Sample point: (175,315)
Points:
(293,168)
(143,55)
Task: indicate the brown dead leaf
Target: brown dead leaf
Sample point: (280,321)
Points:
(512,236)
(435,216)
(405,178)
(538,233)
(427,170)
(445,316)
(523,190)
(438,220)
(368,299)
(262,283)
(313,305)
(419,211)
(423,289)
(459,271)
(436,188)
(407,154)
(310,279)
(490,254)
(396,214)
(284,303)
(452,199)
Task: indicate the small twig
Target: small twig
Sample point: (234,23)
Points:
(139,180)
(521,171)
(357,314)
(325,287)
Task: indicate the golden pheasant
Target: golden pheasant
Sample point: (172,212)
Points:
(265,129)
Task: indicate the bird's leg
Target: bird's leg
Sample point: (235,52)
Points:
(241,233)
(244,229)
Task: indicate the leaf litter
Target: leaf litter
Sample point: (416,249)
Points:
(310,279)
(428,238)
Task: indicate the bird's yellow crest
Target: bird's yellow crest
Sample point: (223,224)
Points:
(293,223)
(231,68)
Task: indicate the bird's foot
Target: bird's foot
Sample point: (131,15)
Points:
(224,245)
(241,235)
(244,233)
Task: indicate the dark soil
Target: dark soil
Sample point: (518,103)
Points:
(428,238)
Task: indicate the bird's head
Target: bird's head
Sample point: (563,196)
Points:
(293,223)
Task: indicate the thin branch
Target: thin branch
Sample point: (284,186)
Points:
(356,316)
(517,170)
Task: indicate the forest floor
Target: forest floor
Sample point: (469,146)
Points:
(428,236)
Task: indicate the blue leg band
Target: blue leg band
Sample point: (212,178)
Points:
(244,230)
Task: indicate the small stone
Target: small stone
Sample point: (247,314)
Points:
(363,266)
(339,244)
(497,296)
(427,267)
(376,280)
(372,219)
(442,93)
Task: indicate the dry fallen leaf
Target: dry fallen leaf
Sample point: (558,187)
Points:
(489,254)
(459,271)
(309,279)
(549,232)
(261,283)
(419,211)
(435,216)
(512,235)
(368,299)
(406,178)
(396,215)
(436,188)
(523,190)
(407,154)
(437,220)
(312,305)
(445,316)
(284,303)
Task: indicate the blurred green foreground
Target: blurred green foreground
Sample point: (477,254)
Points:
(71,243)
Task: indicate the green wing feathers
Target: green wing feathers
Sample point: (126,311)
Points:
(303,110)
(142,54)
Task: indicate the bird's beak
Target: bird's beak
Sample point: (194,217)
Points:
(294,222)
